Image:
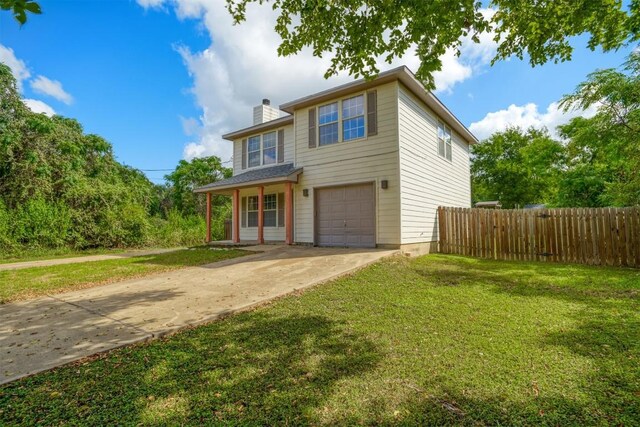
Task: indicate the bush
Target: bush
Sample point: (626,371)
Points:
(178,230)
(123,226)
(38,223)
(6,239)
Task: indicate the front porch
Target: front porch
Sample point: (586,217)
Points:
(262,205)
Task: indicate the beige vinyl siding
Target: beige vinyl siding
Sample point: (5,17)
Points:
(270,233)
(369,159)
(288,150)
(427,179)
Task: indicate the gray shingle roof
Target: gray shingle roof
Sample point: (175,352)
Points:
(253,176)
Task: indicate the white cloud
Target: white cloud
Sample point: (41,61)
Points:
(39,107)
(53,88)
(150,3)
(526,116)
(18,67)
(40,84)
(241,66)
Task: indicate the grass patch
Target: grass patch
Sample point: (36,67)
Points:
(438,340)
(32,282)
(42,254)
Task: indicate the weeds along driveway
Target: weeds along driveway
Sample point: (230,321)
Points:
(47,332)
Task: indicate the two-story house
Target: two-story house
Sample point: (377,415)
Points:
(365,164)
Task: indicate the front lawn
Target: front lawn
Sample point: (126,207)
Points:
(23,255)
(437,340)
(33,282)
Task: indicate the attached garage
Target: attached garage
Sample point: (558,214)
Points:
(345,216)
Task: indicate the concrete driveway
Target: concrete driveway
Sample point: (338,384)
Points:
(50,331)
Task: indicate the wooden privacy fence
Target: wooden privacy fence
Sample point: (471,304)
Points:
(599,236)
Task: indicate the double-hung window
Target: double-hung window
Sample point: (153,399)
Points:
(353,118)
(328,124)
(252,211)
(253,151)
(270,210)
(444,141)
(269,148)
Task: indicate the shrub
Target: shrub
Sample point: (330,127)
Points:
(38,223)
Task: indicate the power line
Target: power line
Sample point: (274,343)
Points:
(170,170)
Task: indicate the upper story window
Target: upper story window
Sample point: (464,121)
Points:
(353,118)
(253,151)
(444,141)
(269,148)
(328,124)
(262,149)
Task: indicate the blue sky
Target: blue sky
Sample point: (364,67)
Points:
(162,79)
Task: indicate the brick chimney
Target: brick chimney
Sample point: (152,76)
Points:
(264,112)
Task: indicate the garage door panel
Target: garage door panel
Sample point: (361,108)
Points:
(346,216)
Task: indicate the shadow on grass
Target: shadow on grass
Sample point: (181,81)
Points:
(452,408)
(252,369)
(595,286)
(606,329)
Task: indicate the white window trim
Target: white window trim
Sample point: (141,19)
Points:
(261,135)
(340,130)
(338,122)
(450,143)
(246,213)
(364,117)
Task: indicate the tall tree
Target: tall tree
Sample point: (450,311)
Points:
(517,167)
(189,175)
(356,33)
(604,151)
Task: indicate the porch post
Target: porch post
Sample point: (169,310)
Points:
(260,215)
(235,224)
(208,237)
(288,213)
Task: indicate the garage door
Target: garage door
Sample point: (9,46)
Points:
(345,216)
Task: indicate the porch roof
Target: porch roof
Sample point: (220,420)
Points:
(269,175)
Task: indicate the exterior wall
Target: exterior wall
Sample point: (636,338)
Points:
(270,233)
(369,159)
(427,180)
(288,150)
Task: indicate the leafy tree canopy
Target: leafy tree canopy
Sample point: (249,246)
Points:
(604,151)
(62,187)
(596,164)
(358,32)
(19,8)
(517,167)
(190,175)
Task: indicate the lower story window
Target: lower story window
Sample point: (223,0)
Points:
(270,210)
(252,211)
(270,214)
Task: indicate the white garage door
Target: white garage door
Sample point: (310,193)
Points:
(345,216)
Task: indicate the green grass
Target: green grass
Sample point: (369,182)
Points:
(24,255)
(32,282)
(438,340)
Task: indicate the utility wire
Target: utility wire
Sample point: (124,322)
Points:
(169,170)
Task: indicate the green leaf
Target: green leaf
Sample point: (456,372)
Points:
(33,7)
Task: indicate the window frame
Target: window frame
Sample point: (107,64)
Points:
(444,138)
(363,114)
(258,151)
(250,210)
(262,149)
(274,148)
(340,121)
(335,122)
